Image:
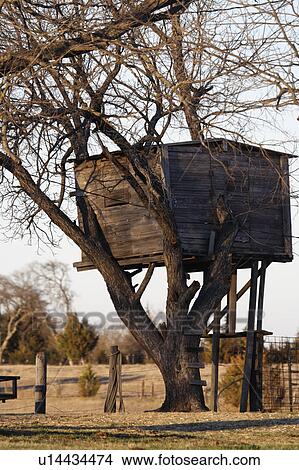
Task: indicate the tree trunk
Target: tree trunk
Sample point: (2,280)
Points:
(180,394)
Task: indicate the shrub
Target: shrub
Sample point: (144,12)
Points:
(88,383)
(231,384)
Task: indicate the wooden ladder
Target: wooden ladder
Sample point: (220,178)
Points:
(195,365)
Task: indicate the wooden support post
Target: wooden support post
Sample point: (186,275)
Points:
(250,343)
(142,393)
(260,307)
(260,337)
(215,361)
(41,383)
(254,399)
(253,296)
(232,304)
(240,294)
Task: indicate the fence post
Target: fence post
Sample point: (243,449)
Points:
(290,378)
(142,393)
(40,383)
(115,383)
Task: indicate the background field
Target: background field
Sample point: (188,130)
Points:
(77,422)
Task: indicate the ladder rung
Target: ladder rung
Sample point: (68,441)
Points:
(198,382)
(195,349)
(196,365)
(191,332)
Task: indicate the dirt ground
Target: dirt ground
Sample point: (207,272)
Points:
(74,422)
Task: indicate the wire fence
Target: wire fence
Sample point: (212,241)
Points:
(281,374)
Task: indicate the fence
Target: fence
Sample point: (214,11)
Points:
(281,374)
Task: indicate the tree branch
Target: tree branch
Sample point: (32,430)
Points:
(16,61)
(145,281)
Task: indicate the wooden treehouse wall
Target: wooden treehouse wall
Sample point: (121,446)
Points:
(254,184)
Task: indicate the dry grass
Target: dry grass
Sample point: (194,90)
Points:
(64,398)
(78,423)
(149,431)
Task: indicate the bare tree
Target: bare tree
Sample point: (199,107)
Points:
(30,298)
(52,280)
(19,302)
(82,76)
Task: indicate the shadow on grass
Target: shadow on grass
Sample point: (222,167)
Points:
(133,432)
(75,380)
(223,425)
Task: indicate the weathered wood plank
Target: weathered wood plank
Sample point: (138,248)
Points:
(232,304)
(203,383)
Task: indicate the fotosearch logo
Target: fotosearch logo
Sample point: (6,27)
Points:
(112,321)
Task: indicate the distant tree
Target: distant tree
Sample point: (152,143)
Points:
(52,279)
(131,350)
(19,303)
(28,299)
(31,338)
(77,339)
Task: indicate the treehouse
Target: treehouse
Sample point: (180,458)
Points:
(253,181)
(254,184)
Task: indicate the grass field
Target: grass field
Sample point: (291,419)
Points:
(73,422)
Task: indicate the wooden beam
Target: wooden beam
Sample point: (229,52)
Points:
(253,296)
(196,365)
(212,240)
(239,334)
(247,371)
(241,292)
(250,343)
(259,338)
(6,378)
(254,398)
(232,304)
(203,383)
(260,306)
(215,361)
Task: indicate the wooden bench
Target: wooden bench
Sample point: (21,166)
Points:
(14,380)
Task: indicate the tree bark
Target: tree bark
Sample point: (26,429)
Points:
(180,394)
